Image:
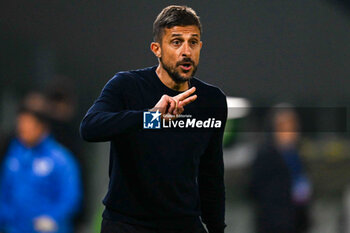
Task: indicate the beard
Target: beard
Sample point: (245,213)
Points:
(175,75)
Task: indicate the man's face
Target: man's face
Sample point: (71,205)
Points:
(29,129)
(180,50)
(286,128)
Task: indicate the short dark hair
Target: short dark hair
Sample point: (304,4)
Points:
(172,16)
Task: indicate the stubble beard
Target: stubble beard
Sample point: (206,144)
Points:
(175,75)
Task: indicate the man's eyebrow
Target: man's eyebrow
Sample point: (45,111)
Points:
(175,34)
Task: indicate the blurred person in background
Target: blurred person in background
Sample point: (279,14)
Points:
(40,187)
(280,185)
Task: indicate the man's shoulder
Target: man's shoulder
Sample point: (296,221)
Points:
(14,145)
(132,75)
(12,154)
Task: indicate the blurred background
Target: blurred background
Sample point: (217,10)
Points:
(262,52)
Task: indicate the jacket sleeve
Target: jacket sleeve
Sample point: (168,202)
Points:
(211,178)
(108,116)
(68,188)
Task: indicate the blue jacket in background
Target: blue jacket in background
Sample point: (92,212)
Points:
(42,180)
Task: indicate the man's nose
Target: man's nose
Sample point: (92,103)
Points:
(186,50)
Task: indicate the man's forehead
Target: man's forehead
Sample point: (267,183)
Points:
(190,30)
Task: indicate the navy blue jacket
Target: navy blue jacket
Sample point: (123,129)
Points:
(162,178)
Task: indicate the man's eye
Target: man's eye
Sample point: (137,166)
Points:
(194,42)
(176,42)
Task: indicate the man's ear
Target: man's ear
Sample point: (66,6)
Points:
(156,49)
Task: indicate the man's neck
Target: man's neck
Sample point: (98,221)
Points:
(37,141)
(168,81)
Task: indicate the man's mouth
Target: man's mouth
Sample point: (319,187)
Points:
(186,66)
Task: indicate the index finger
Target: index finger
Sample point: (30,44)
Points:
(185,94)
(188,100)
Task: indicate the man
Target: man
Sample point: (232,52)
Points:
(279,183)
(40,182)
(163,179)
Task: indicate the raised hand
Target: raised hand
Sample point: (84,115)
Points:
(168,105)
